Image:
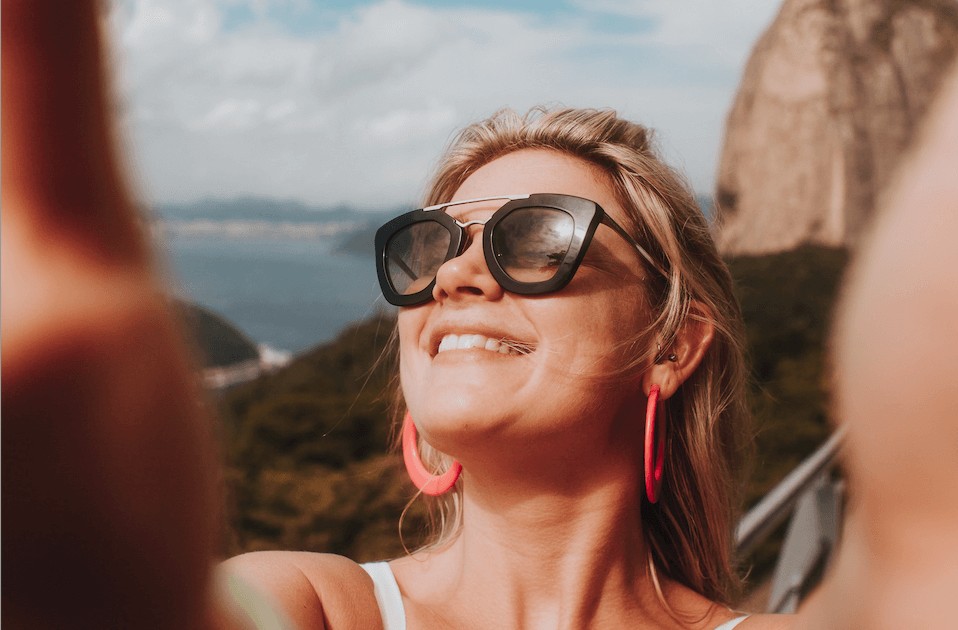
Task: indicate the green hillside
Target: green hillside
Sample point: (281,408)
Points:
(306,446)
(787,301)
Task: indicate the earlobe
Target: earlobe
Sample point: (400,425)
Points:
(688,348)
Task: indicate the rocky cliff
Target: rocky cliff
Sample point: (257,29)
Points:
(829,100)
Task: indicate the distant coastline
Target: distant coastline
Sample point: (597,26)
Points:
(233,229)
(285,292)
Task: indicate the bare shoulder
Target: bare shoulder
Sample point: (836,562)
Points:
(314,590)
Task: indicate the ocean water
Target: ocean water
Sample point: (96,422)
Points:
(289,294)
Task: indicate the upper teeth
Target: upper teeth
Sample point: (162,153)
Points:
(464,342)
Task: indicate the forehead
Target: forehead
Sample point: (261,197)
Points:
(541,171)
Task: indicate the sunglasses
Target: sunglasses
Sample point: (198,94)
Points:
(533,244)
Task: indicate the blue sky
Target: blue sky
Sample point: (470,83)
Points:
(352,101)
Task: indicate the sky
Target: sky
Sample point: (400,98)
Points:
(352,101)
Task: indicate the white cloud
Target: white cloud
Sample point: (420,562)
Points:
(279,111)
(231,114)
(401,125)
(723,31)
(358,111)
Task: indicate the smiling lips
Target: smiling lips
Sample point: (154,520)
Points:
(481,342)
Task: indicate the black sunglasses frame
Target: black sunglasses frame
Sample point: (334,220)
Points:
(586,216)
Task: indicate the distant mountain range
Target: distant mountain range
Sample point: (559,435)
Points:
(245,217)
(290,210)
(266,209)
(254,217)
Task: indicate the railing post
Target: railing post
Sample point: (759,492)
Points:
(812,535)
(814,501)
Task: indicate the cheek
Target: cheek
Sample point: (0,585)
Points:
(618,330)
(409,328)
(624,308)
(409,325)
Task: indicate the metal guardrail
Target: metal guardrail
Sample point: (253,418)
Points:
(814,501)
(769,513)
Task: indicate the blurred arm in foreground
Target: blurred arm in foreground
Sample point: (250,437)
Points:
(108,471)
(896,360)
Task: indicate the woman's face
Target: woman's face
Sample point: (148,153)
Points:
(575,335)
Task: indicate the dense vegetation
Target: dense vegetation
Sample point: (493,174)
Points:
(787,300)
(307,457)
(306,446)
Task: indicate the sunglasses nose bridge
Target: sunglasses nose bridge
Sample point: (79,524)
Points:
(467,272)
(467,237)
(467,224)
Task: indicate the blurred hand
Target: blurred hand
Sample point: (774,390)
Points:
(896,349)
(108,502)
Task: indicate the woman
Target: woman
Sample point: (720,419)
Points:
(108,480)
(569,336)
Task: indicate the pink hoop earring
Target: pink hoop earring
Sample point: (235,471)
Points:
(430,484)
(654,447)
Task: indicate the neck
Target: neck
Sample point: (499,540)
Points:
(583,536)
(557,548)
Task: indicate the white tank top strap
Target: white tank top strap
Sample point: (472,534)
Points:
(387,595)
(728,625)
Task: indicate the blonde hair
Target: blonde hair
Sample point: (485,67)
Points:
(689,530)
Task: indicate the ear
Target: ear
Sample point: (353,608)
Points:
(691,343)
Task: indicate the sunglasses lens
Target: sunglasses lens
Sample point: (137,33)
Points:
(531,243)
(414,254)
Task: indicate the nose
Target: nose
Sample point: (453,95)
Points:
(467,275)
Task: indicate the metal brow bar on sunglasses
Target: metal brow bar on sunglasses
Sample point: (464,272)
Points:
(606,219)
